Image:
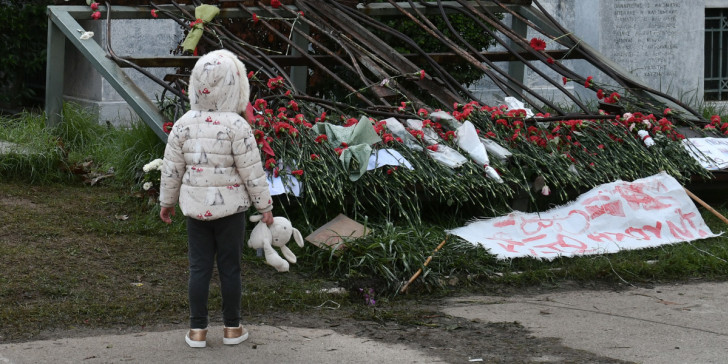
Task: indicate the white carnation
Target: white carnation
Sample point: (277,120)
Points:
(147,185)
(157,163)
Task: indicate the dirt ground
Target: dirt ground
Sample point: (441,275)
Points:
(456,340)
(40,220)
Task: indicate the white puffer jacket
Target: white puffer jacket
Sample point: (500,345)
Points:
(212,164)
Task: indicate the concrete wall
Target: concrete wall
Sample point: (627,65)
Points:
(660,42)
(129,37)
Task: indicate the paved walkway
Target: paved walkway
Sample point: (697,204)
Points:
(667,324)
(267,344)
(685,323)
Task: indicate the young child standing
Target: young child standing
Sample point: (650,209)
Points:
(212,167)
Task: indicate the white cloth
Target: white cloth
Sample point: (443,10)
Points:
(514,104)
(616,216)
(387,157)
(468,140)
(711,153)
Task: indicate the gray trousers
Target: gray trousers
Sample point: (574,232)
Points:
(218,240)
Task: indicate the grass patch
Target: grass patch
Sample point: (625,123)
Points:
(78,145)
(34,153)
(80,256)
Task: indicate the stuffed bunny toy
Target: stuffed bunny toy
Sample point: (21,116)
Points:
(276,235)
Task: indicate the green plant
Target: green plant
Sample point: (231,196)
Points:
(385,258)
(23,41)
(127,150)
(30,150)
(36,153)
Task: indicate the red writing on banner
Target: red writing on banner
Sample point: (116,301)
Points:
(683,231)
(622,216)
(637,198)
(575,222)
(630,232)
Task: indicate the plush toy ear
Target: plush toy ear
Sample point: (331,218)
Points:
(298,237)
(255,218)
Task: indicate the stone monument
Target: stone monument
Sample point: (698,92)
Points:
(661,43)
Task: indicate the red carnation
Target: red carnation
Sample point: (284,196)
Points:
(167,127)
(321,138)
(538,44)
(275,3)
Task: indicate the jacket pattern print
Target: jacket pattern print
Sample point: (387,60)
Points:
(212,165)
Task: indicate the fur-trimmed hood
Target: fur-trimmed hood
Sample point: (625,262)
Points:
(219,82)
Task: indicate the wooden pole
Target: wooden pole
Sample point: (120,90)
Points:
(419,271)
(701,202)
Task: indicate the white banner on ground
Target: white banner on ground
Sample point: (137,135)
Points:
(711,153)
(616,216)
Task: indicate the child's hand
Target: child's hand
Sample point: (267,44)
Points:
(267,218)
(166,212)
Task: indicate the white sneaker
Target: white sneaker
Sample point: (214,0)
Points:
(234,335)
(196,338)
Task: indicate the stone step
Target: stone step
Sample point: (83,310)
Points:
(8,147)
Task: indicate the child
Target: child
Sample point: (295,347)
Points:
(212,167)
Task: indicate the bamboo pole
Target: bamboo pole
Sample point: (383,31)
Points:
(419,271)
(701,202)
